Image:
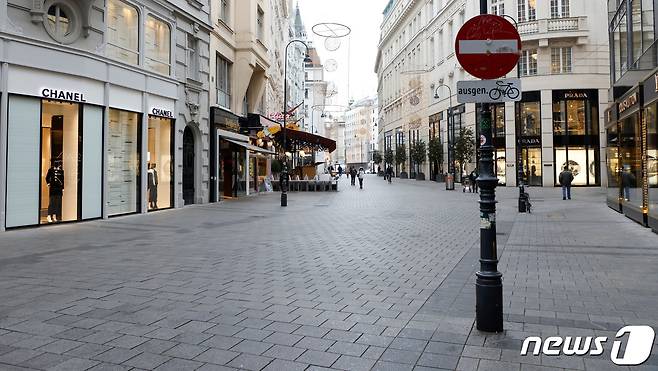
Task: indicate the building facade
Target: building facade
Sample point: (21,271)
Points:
(631,125)
(280,16)
(564,72)
(240,65)
(315,96)
(360,119)
(104,108)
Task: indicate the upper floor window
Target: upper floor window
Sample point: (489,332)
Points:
(193,57)
(223,82)
(224,11)
(559,8)
(561,60)
(527,10)
(122,32)
(528,62)
(157,43)
(260,24)
(498,7)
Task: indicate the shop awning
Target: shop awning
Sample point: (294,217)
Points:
(302,139)
(251,147)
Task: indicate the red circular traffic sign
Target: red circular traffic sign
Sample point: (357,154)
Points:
(488,46)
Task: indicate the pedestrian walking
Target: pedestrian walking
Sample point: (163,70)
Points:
(352,176)
(565,178)
(472,177)
(362,174)
(389,174)
(340,171)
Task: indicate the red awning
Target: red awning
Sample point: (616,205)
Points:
(297,139)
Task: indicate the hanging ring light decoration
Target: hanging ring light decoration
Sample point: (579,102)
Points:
(329,108)
(332,44)
(330,65)
(331,30)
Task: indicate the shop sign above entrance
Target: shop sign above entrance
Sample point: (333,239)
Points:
(627,103)
(70,96)
(488,46)
(162,112)
(489,91)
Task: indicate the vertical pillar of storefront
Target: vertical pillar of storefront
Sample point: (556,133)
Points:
(106,145)
(246,171)
(143,190)
(603,138)
(547,150)
(511,170)
(4,101)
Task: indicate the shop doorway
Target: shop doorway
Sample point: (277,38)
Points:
(188,166)
(532,172)
(61,160)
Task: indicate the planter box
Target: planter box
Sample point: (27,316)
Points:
(420,176)
(404,175)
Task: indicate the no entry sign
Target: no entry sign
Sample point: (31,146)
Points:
(488,46)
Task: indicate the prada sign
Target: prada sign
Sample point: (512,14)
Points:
(529,141)
(162,113)
(63,95)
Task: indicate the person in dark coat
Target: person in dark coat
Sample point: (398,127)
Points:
(472,177)
(352,176)
(565,178)
(55,182)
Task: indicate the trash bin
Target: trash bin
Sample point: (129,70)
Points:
(523,199)
(450,182)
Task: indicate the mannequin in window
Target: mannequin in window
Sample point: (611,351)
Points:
(55,182)
(153,186)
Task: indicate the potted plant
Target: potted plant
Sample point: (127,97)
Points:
(389,158)
(464,148)
(435,155)
(377,159)
(401,159)
(418,156)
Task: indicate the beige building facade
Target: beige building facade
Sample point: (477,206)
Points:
(564,69)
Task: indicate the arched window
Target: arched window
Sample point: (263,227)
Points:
(122,32)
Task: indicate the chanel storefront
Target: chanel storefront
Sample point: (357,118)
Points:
(81,149)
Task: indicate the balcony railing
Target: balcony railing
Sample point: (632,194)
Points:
(554,25)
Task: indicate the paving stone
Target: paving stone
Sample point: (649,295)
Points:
(391,366)
(250,362)
(251,347)
(177,364)
(45,361)
(400,356)
(116,355)
(284,352)
(74,364)
(185,351)
(317,358)
(147,361)
(283,338)
(315,343)
(216,356)
(350,349)
(346,362)
(221,342)
(438,361)
(279,364)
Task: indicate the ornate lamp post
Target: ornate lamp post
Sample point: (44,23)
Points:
(450,186)
(285,177)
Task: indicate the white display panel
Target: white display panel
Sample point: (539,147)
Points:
(92,162)
(23,161)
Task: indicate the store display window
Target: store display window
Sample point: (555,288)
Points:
(631,180)
(159,159)
(613,164)
(123,156)
(529,119)
(60,162)
(652,158)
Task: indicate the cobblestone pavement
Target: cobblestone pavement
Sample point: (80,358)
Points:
(379,279)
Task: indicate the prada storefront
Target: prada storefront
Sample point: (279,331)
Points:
(576,135)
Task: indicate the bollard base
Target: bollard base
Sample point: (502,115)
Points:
(489,303)
(284,199)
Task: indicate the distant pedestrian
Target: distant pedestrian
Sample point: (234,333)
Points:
(389,174)
(340,171)
(362,174)
(352,176)
(565,178)
(472,177)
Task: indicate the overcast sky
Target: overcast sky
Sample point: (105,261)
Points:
(364,18)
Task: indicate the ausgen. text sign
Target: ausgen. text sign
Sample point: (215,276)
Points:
(489,91)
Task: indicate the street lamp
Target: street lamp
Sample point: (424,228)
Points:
(450,185)
(285,177)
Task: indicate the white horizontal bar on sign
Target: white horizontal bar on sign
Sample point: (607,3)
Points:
(488,46)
